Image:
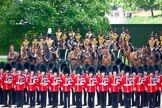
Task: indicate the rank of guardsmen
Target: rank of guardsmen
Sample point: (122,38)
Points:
(115,85)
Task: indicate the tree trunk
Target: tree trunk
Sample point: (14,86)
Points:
(152,12)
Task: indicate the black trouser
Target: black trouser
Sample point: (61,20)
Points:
(152,99)
(78,99)
(109,98)
(145,98)
(127,100)
(73,97)
(85,97)
(38,97)
(7,101)
(20,98)
(13,96)
(26,96)
(103,99)
(49,97)
(98,98)
(114,101)
(121,101)
(133,99)
(158,98)
(91,96)
(1,96)
(139,96)
(54,99)
(61,97)
(66,99)
(32,98)
(43,98)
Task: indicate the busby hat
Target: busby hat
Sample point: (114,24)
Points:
(140,69)
(26,65)
(127,69)
(109,68)
(13,64)
(19,67)
(145,67)
(43,67)
(55,69)
(115,68)
(26,36)
(37,66)
(32,67)
(2,65)
(134,69)
(151,69)
(62,66)
(121,66)
(35,36)
(118,61)
(102,68)
(157,67)
(71,28)
(50,65)
(78,31)
(78,70)
(7,67)
(91,69)
(107,38)
(66,70)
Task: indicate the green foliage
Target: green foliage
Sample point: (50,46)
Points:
(18,17)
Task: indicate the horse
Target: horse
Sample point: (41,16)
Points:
(12,55)
(135,59)
(95,55)
(38,55)
(86,56)
(24,57)
(106,57)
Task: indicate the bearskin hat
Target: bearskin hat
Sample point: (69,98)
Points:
(109,68)
(91,69)
(37,66)
(42,67)
(75,66)
(13,64)
(118,61)
(7,67)
(98,67)
(127,69)
(140,69)
(151,69)
(26,65)
(121,66)
(66,70)
(62,66)
(2,65)
(145,67)
(133,69)
(19,67)
(102,68)
(32,67)
(85,67)
(79,70)
(55,69)
(115,68)
(50,65)
(157,67)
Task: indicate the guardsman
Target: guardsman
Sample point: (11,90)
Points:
(7,81)
(139,87)
(103,86)
(121,74)
(127,83)
(109,73)
(89,33)
(94,42)
(32,85)
(160,37)
(157,75)
(134,72)
(78,87)
(91,86)
(115,85)
(85,76)
(13,73)
(41,42)
(151,83)
(151,42)
(86,41)
(157,42)
(101,40)
(49,75)
(2,64)
(78,37)
(64,39)
(58,34)
(122,36)
(127,37)
(108,43)
(114,37)
(19,81)
(26,74)
(26,42)
(43,83)
(71,37)
(35,40)
(66,85)
(50,43)
(54,86)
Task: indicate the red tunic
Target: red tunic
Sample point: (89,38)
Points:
(32,83)
(19,82)
(139,84)
(102,82)
(78,84)
(127,85)
(1,79)
(6,81)
(43,82)
(151,86)
(66,83)
(114,84)
(90,84)
(54,84)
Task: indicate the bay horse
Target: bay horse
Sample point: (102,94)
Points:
(12,55)
(86,56)
(106,57)
(135,59)
(38,55)
(24,57)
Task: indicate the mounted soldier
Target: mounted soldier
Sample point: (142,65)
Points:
(35,40)
(78,37)
(26,42)
(151,42)
(71,37)
(41,42)
(101,38)
(114,36)
(89,33)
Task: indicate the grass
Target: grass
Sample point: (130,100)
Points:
(3,60)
